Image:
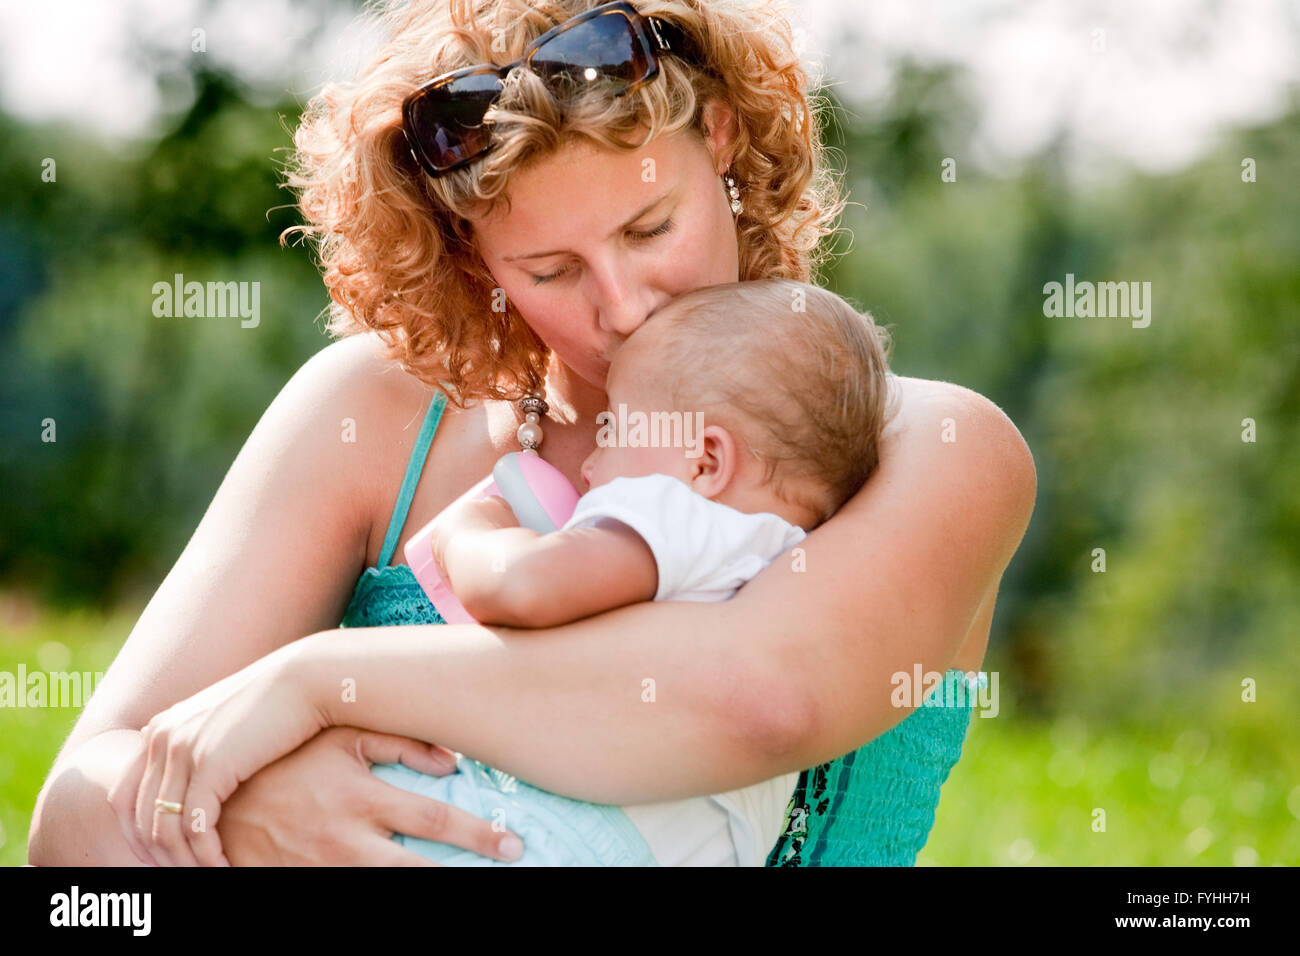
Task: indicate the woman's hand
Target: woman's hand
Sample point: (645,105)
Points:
(321,806)
(195,753)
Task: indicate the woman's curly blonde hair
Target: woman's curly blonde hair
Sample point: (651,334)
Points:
(396,245)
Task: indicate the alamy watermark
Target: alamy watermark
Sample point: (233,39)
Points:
(1086,300)
(624,429)
(211,300)
(75,908)
(976,689)
(47,688)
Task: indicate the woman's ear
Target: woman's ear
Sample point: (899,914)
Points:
(720,129)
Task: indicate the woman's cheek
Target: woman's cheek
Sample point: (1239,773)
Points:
(699,271)
(545,317)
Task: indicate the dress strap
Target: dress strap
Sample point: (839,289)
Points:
(413,469)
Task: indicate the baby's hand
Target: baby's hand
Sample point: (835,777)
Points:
(473,514)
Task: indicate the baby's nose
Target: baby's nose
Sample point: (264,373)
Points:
(587,467)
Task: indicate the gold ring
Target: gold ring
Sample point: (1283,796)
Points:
(167,806)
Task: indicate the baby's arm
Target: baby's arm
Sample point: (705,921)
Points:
(515,577)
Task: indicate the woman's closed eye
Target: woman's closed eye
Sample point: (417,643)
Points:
(637,236)
(657,231)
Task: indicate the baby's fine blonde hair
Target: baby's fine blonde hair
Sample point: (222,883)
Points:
(395,245)
(794,371)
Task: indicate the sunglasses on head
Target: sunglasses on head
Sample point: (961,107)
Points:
(611,44)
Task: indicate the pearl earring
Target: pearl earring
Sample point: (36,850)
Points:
(733,191)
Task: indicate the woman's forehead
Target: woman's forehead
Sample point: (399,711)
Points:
(582,184)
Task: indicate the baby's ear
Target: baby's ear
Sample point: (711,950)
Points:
(715,466)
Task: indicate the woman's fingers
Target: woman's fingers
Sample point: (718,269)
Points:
(168,827)
(145,808)
(122,798)
(321,806)
(417,816)
(414,815)
(201,831)
(373,747)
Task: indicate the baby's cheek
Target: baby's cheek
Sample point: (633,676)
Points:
(612,464)
(666,460)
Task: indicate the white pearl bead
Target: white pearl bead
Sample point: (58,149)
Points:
(530,433)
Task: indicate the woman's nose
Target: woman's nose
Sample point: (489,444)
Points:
(623,315)
(624,301)
(624,318)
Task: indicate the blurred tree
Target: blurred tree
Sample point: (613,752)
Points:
(148,411)
(1137,433)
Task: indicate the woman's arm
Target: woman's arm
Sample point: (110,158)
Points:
(72,824)
(663,700)
(266,565)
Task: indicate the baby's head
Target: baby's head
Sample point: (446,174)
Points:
(764,396)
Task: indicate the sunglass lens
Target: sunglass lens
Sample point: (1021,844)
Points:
(449,118)
(602,48)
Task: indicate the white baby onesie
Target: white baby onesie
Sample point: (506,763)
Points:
(705,551)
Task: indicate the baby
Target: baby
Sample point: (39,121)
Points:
(742,417)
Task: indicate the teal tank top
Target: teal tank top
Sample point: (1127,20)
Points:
(872,807)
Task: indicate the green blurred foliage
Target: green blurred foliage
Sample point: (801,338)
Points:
(149,412)
(1137,433)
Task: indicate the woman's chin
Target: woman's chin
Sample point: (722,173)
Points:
(595,376)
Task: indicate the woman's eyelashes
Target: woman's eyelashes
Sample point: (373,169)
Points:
(538,280)
(657,231)
(638,236)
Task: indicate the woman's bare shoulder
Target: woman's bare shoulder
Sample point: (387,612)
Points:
(360,367)
(380,409)
(374,410)
(976,436)
(345,397)
(922,395)
(949,455)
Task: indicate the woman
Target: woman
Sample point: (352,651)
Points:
(617,198)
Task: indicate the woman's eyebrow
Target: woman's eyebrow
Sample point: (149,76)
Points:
(556,252)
